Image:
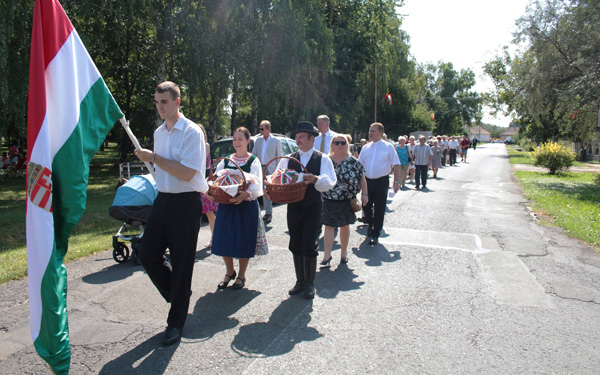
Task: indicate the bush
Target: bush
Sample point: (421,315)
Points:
(526,144)
(553,156)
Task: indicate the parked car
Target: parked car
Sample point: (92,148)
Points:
(224,146)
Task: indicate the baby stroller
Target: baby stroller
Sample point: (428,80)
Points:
(132,205)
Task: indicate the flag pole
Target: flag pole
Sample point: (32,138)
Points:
(134,140)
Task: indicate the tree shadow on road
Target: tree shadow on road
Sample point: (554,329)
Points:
(121,271)
(212,313)
(287,327)
(153,356)
(116,272)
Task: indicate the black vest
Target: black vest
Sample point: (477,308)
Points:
(246,167)
(312,196)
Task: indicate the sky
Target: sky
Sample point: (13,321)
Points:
(466,33)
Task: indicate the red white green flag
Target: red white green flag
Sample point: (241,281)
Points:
(70,112)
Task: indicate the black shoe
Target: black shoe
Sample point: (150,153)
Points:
(267,218)
(237,286)
(326,262)
(172,335)
(361,219)
(223,284)
(417,187)
(344,260)
(297,289)
(374,240)
(309,291)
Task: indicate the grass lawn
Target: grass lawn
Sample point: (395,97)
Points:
(572,200)
(518,157)
(92,234)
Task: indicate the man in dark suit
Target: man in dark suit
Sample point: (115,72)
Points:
(266,148)
(304,217)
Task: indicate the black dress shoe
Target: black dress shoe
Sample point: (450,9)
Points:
(309,291)
(223,284)
(297,289)
(172,335)
(237,286)
(374,240)
(267,218)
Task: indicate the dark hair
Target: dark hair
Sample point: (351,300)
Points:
(171,87)
(243,130)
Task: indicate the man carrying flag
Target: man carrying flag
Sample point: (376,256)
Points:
(70,112)
(179,160)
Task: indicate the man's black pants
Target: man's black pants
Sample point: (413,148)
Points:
(452,157)
(174,224)
(420,175)
(374,211)
(304,225)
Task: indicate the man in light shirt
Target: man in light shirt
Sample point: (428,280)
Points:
(266,148)
(323,140)
(452,149)
(378,157)
(179,159)
(304,217)
(422,154)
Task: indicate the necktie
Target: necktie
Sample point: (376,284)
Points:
(322,143)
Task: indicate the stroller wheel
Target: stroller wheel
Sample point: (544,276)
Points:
(120,252)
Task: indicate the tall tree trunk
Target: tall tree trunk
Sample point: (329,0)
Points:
(234,95)
(254,129)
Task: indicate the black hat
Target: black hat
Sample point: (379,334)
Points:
(306,127)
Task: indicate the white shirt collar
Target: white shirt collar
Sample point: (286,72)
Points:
(309,152)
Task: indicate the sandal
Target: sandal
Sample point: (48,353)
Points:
(240,285)
(208,245)
(223,284)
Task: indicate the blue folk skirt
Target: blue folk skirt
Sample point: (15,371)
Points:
(235,230)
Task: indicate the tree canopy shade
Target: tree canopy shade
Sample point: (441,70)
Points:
(551,83)
(241,61)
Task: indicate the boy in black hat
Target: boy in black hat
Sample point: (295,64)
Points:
(304,217)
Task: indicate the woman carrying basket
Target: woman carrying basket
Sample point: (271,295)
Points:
(238,226)
(337,211)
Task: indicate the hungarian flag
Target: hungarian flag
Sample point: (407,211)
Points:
(388,98)
(70,112)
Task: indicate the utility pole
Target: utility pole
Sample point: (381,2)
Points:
(375,93)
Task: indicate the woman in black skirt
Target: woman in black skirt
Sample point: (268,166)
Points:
(337,212)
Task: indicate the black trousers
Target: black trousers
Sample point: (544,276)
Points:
(452,157)
(304,225)
(174,224)
(444,158)
(421,175)
(374,211)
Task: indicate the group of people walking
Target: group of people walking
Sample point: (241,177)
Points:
(335,178)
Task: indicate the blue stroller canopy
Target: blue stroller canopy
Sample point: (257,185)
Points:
(140,190)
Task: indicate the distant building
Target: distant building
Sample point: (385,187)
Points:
(511,132)
(479,132)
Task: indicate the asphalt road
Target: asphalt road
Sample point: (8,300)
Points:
(464,281)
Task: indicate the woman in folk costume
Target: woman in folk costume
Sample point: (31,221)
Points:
(238,226)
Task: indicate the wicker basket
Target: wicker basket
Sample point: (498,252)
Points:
(216,192)
(285,193)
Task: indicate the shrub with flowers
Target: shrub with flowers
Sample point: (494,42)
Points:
(553,156)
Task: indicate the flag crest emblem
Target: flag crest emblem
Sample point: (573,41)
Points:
(39,188)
